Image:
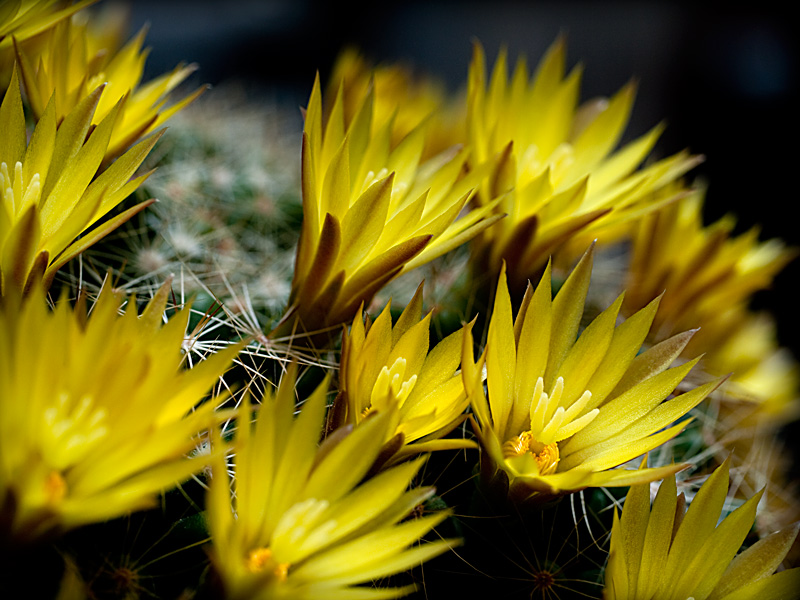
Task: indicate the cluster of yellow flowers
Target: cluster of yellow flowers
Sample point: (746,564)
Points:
(102,412)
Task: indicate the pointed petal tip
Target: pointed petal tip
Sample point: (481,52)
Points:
(632,86)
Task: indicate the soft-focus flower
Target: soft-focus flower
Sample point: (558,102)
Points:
(27,18)
(665,554)
(50,188)
(709,277)
(761,396)
(71,65)
(402,97)
(764,374)
(371,211)
(301,523)
(22,21)
(97,414)
(558,172)
(704,270)
(389,369)
(562,413)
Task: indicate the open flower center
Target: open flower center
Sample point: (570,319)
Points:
(551,422)
(546,456)
(261,559)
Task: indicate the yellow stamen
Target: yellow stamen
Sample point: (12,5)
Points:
(546,456)
(260,559)
(55,488)
(547,459)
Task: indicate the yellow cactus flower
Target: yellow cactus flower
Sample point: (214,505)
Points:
(371,211)
(704,270)
(97,414)
(709,277)
(71,65)
(389,369)
(402,97)
(301,523)
(51,191)
(666,554)
(558,172)
(24,20)
(561,413)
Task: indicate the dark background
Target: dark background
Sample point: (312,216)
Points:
(723,79)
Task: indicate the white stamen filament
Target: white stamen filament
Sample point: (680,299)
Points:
(17,196)
(552,423)
(391,387)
